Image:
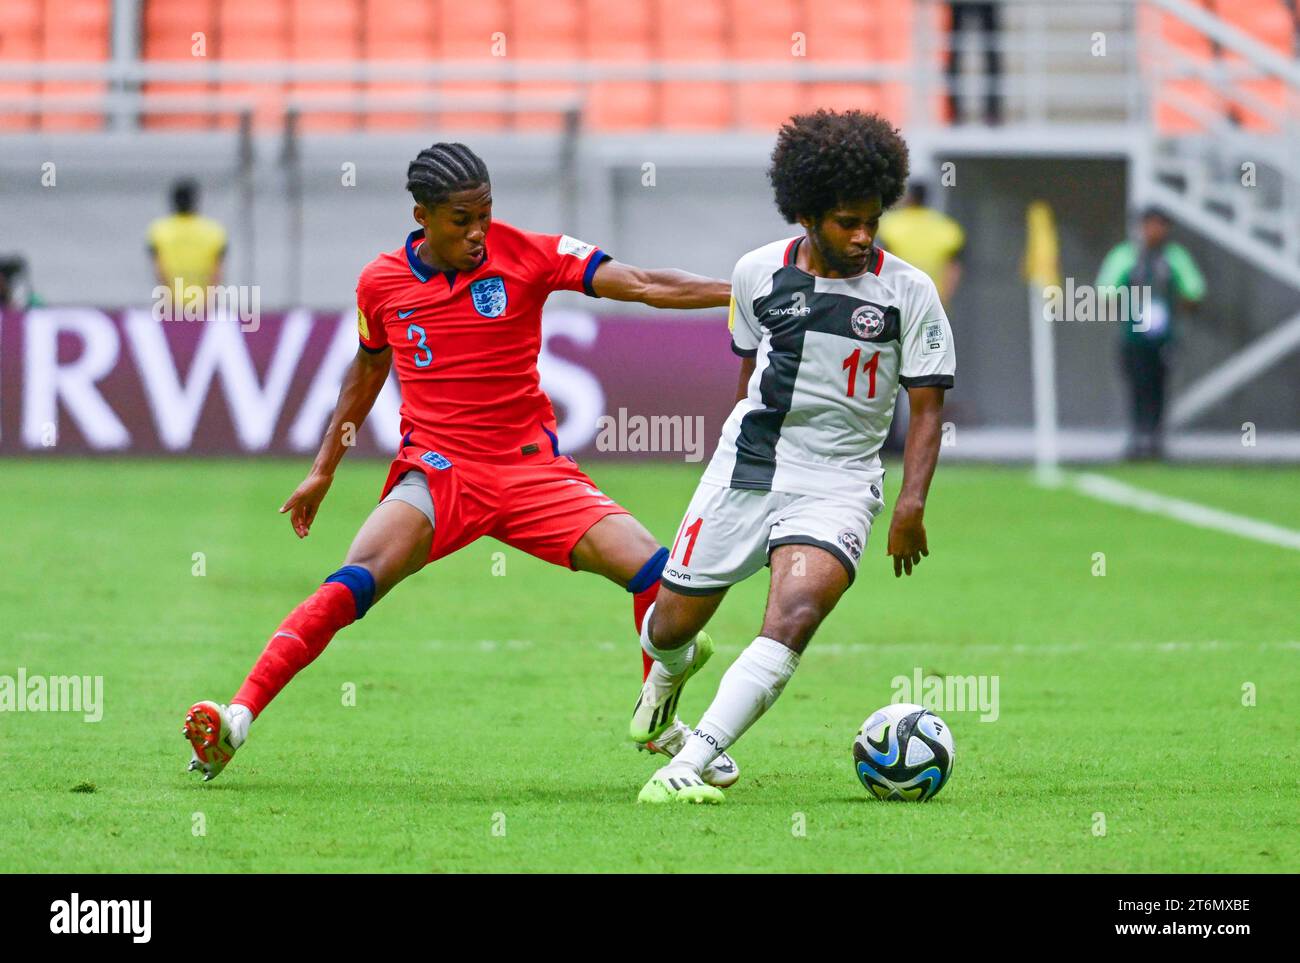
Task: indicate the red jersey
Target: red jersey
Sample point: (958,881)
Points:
(466,343)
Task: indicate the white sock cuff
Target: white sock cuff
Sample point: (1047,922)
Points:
(674,660)
(772,655)
(645,629)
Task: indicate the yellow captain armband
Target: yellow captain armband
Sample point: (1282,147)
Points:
(363,327)
(731,315)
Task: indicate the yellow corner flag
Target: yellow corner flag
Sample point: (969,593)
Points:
(1041,266)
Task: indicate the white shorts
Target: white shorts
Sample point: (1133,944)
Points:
(728,533)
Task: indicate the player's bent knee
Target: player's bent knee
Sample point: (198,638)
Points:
(358,580)
(676,619)
(667,627)
(795,622)
(664,630)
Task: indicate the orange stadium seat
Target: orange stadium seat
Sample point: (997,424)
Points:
(620,34)
(546,32)
(840,31)
(325,30)
(255,30)
(519,32)
(1184,41)
(842,34)
(893,33)
(940,25)
(1269,22)
(75,30)
(767,32)
(695,31)
(170,27)
(399,31)
(472,32)
(20,39)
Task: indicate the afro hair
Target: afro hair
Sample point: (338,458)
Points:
(824,159)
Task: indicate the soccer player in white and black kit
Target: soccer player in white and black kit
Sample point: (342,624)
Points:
(828,327)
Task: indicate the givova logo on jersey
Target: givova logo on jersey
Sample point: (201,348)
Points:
(798,308)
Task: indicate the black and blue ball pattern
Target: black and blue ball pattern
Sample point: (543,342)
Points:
(904,752)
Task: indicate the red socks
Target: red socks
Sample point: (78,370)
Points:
(301,637)
(641,602)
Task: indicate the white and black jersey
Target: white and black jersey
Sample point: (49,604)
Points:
(830,354)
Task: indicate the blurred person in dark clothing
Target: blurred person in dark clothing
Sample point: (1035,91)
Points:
(984,17)
(15,284)
(1163,280)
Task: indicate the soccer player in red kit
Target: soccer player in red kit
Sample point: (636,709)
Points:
(458,309)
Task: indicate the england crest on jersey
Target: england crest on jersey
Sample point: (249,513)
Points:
(489,296)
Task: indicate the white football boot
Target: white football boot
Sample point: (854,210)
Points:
(213,738)
(677,783)
(721,772)
(656,706)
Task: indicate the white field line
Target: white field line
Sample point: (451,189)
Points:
(493,646)
(1193,513)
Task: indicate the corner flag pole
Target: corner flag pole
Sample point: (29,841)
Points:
(1042,270)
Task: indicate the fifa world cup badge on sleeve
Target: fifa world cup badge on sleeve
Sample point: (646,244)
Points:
(571,245)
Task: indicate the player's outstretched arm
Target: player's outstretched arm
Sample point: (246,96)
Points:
(920,455)
(362,383)
(659,287)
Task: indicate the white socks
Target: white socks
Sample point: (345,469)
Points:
(241,717)
(747,690)
(669,663)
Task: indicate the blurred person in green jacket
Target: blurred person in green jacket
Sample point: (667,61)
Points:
(1168,281)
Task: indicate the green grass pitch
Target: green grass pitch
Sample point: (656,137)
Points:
(487,733)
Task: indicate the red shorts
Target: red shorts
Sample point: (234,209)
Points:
(542,507)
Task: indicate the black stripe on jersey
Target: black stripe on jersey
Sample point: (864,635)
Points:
(927,381)
(743,352)
(760,428)
(794,291)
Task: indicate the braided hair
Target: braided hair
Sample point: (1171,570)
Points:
(439,171)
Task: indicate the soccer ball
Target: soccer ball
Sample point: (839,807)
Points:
(904,752)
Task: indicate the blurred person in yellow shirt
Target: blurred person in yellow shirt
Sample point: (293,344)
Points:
(925,238)
(187,248)
(929,240)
